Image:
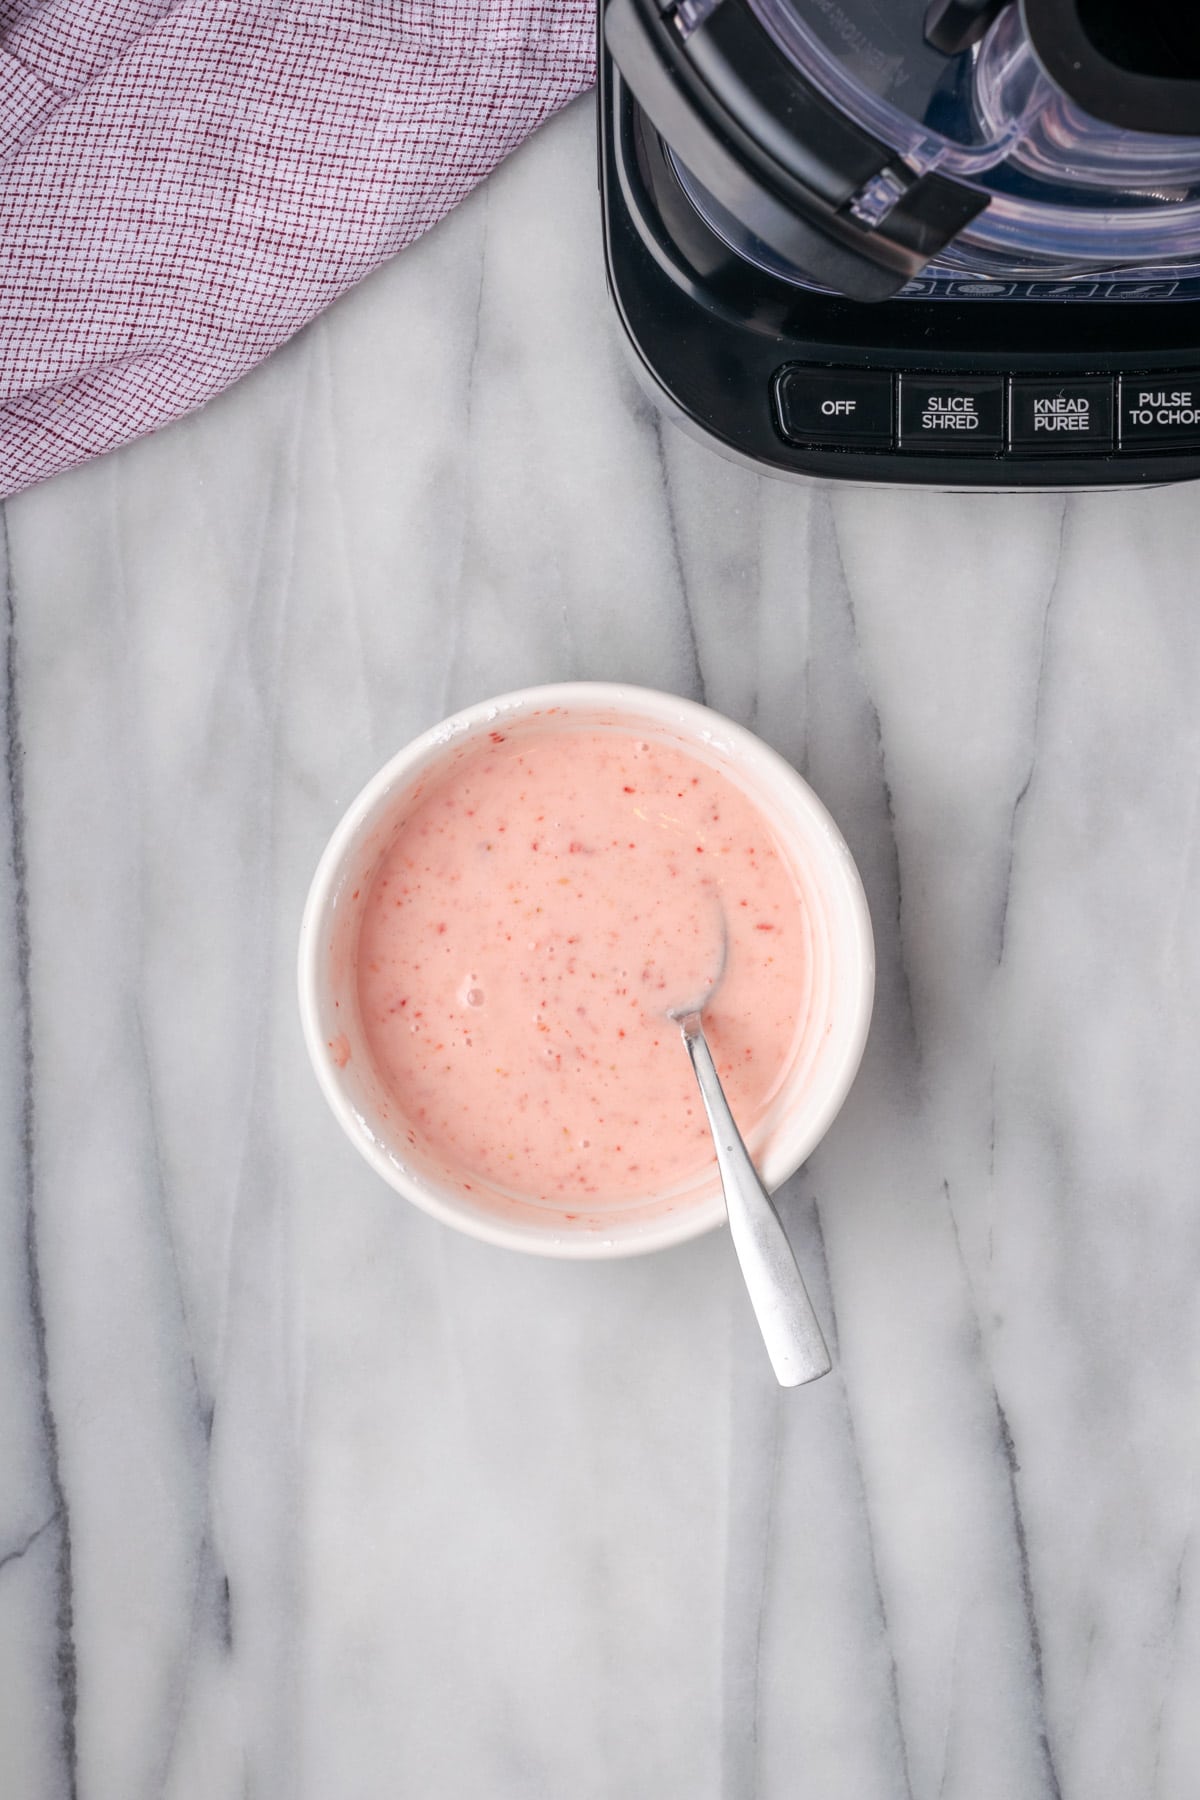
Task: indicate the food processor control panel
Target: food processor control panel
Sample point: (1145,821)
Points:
(1070,426)
(1000,416)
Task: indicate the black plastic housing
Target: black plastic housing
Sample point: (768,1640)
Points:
(711,332)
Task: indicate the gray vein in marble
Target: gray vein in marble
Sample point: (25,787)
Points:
(207,1576)
(876,1584)
(1172,1654)
(909,1022)
(1088,1648)
(454,625)
(748,1543)
(696,685)
(225,1614)
(765,1584)
(951,1690)
(1014,817)
(829,1325)
(1038,694)
(1012,1468)
(20,1550)
(1027,1595)
(204,1405)
(65,1667)
(339,485)
(978,1341)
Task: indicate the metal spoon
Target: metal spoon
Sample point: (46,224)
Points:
(777,1293)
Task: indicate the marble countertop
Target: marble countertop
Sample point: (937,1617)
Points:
(305,1497)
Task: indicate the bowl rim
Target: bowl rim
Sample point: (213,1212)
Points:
(703,725)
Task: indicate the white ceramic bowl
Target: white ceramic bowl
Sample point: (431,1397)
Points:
(829,1043)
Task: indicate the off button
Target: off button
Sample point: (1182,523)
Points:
(1160,412)
(835,406)
(954,416)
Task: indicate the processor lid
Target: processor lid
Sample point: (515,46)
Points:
(859,140)
(1134,68)
(739,110)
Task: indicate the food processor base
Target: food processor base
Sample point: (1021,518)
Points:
(991,385)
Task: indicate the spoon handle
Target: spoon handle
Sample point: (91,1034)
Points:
(777,1293)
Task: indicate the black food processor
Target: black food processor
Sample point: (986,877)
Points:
(948,242)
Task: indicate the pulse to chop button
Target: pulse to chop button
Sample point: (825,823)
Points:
(836,407)
(1160,412)
(1057,417)
(956,416)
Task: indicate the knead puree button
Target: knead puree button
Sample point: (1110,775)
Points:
(956,415)
(1057,417)
(1160,412)
(836,406)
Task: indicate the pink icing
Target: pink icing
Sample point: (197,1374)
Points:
(535,917)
